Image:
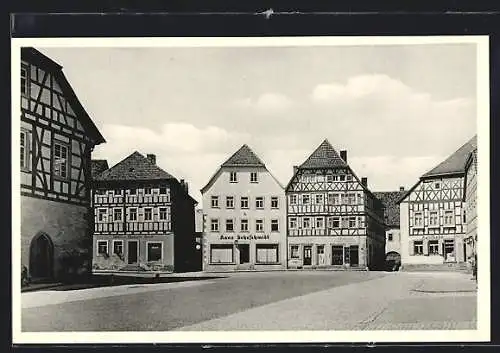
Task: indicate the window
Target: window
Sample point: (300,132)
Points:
(345,222)
(329,178)
(133,214)
(389,237)
(155,251)
(419,219)
(334,222)
(433,219)
(163,191)
(418,247)
(274,202)
(253,177)
(330,200)
(24,80)
(117,192)
(349,177)
(233,177)
(274,225)
(352,222)
(449,218)
(293,199)
(229,202)
(244,225)
(221,253)
(259,202)
(118,247)
(319,222)
(214,224)
(449,249)
(351,199)
(215,201)
(102,247)
(60,160)
(305,199)
(336,199)
(163,213)
(319,199)
(342,177)
(433,247)
(25,143)
(267,253)
(229,225)
(293,222)
(117,215)
(147,191)
(306,222)
(437,185)
(259,225)
(133,192)
(244,202)
(102,215)
(148,214)
(294,252)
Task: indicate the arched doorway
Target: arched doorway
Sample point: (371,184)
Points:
(41,257)
(392,261)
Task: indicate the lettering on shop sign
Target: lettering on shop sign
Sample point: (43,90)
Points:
(244,237)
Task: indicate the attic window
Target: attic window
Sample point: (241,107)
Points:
(131,169)
(437,185)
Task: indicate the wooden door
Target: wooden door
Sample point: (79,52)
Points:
(307,255)
(41,257)
(133,251)
(321,255)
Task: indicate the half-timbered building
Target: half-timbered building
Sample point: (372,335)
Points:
(57,138)
(470,206)
(244,212)
(392,231)
(432,215)
(143,218)
(333,219)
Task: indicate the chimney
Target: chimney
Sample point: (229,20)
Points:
(152,158)
(343,155)
(295,168)
(401,188)
(364,181)
(184,185)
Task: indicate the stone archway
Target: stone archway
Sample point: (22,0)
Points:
(41,257)
(392,261)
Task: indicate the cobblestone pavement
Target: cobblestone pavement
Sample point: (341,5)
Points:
(399,301)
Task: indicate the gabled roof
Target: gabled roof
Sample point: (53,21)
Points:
(324,156)
(33,56)
(98,166)
(134,167)
(244,157)
(391,206)
(454,164)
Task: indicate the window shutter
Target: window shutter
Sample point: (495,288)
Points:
(411,250)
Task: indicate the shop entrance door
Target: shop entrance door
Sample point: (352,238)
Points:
(307,255)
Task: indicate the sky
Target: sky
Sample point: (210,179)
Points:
(398,110)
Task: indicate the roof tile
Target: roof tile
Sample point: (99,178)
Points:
(324,156)
(244,157)
(134,167)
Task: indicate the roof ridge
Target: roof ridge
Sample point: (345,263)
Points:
(323,156)
(244,156)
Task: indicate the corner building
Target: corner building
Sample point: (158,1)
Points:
(333,219)
(433,224)
(57,138)
(244,213)
(143,218)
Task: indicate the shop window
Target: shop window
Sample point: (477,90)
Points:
(155,251)
(267,253)
(221,253)
(294,252)
(418,247)
(102,247)
(433,247)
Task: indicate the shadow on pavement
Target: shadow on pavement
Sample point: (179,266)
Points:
(97,281)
